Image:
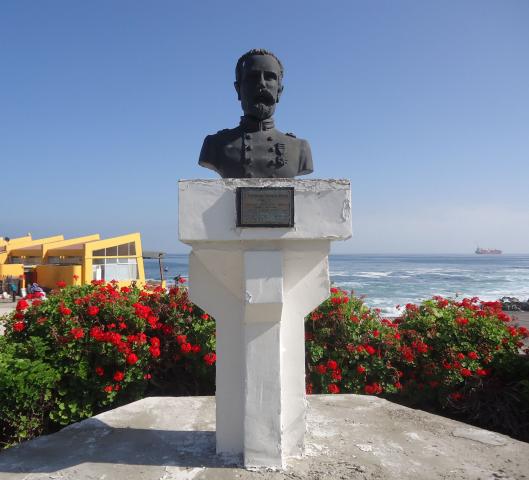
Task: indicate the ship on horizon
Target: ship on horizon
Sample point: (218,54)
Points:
(488,251)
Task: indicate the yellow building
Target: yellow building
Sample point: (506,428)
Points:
(80,260)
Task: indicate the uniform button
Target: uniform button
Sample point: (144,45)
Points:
(270,139)
(247,136)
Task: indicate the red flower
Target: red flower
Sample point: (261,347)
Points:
(195,348)
(76,277)
(99,371)
(210,358)
(465,372)
(374,388)
(77,333)
(398,385)
(461,321)
(132,358)
(336,375)
(376,333)
(333,388)
(65,310)
(334,290)
(482,372)
(108,388)
(180,339)
(472,355)
(461,356)
(118,376)
(523,331)
(92,310)
(332,364)
(321,369)
(19,326)
(360,369)
(369,349)
(22,305)
(420,347)
(61,284)
(308,389)
(155,341)
(204,316)
(186,347)
(155,351)
(181,280)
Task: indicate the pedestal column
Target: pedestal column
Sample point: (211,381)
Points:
(259,284)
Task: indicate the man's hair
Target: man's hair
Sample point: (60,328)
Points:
(251,53)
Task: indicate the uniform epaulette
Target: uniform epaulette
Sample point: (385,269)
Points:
(290,134)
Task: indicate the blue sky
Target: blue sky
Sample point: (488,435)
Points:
(424,106)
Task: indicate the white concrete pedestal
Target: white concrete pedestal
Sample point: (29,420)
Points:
(259,283)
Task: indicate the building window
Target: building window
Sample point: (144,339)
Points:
(26,260)
(64,260)
(120,269)
(123,250)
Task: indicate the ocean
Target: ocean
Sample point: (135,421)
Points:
(386,281)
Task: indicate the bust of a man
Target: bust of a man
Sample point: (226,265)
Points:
(255,149)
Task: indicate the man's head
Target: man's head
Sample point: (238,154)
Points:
(259,83)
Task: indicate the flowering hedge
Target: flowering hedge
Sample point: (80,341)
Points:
(463,357)
(101,347)
(90,348)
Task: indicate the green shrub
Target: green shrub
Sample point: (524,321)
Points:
(90,348)
(27,386)
(107,347)
(350,349)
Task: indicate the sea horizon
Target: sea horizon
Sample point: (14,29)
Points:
(386,281)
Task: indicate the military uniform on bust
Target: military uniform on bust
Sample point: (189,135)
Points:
(256,149)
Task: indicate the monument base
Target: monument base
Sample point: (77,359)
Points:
(348,436)
(258,283)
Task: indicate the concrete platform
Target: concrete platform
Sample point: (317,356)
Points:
(349,437)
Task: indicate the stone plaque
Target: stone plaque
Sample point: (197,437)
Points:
(265,207)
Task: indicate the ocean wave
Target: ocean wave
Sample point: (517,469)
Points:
(371,274)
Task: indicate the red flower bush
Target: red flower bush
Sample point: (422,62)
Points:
(348,347)
(106,346)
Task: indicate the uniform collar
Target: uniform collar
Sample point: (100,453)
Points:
(250,124)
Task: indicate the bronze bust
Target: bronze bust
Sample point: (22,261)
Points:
(255,149)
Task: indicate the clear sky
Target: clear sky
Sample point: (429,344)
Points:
(423,105)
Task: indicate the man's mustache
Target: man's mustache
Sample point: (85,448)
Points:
(264,96)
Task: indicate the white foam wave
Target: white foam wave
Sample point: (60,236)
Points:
(371,274)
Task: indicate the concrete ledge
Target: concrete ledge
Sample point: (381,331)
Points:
(349,437)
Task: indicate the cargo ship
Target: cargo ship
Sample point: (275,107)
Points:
(488,251)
